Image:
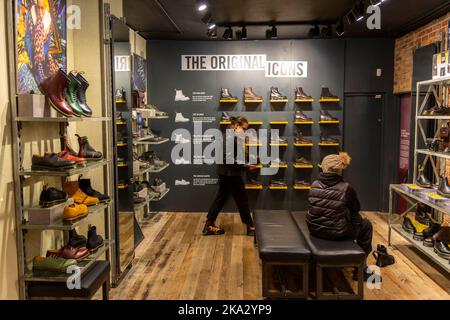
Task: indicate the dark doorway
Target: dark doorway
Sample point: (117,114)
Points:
(363,141)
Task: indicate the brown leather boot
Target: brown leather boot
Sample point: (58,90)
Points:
(250,95)
(301,95)
(72,188)
(54,88)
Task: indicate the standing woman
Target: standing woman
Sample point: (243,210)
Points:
(231,180)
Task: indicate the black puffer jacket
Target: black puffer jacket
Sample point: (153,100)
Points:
(333,208)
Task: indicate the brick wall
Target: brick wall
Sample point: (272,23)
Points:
(405,45)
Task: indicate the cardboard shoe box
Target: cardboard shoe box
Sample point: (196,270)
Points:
(35,106)
(47,216)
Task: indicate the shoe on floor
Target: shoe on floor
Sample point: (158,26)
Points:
(212,230)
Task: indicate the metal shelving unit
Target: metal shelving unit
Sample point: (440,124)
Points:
(439,90)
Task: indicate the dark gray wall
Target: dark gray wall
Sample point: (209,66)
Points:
(326,67)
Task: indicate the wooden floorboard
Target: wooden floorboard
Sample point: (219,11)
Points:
(176,262)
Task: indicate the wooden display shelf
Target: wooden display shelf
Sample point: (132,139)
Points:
(303,100)
(279,122)
(303,166)
(329,122)
(228,101)
(330,100)
(301,188)
(328,144)
(303,144)
(303,122)
(253,101)
(278,187)
(279,101)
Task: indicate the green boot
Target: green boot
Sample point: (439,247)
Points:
(53,264)
(71,95)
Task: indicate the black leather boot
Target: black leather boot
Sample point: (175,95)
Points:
(422,180)
(81,95)
(87,151)
(422,214)
(225,94)
(94,241)
(444,187)
(326,94)
(86,187)
(383,259)
(76,240)
(430,232)
(326,116)
(442,249)
(408,226)
(442,235)
(276,95)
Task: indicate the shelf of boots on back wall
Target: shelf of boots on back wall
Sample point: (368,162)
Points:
(412,193)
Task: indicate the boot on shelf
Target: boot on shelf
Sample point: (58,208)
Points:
(226,95)
(71,95)
(54,88)
(422,180)
(327,95)
(72,188)
(301,95)
(86,187)
(94,241)
(249,95)
(444,187)
(87,151)
(275,94)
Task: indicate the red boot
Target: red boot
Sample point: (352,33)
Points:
(54,88)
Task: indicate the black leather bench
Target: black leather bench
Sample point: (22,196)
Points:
(281,244)
(332,254)
(97,276)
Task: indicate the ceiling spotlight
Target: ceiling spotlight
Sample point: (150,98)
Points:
(358,11)
(228,34)
(202,5)
(211,25)
(376,3)
(244,33)
(327,32)
(314,32)
(340,29)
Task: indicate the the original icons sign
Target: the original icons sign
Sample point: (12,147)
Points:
(250,62)
(287,69)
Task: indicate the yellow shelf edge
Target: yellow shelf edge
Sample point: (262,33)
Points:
(228,101)
(302,188)
(254,187)
(121,144)
(329,122)
(279,101)
(279,167)
(303,145)
(225,122)
(254,145)
(255,123)
(304,122)
(329,144)
(279,122)
(278,188)
(253,101)
(330,100)
(279,145)
(296,166)
(303,100)
(120,122)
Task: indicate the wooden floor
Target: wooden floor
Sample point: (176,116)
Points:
(176,262)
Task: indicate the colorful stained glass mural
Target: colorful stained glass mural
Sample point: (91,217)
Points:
(41,41)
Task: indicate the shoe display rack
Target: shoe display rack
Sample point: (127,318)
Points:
(436,93)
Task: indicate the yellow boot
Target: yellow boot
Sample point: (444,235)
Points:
(419,226)
(73,190)
(75,211)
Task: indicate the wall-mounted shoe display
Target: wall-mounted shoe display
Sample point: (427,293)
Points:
(225,95)
(300,95)
(51,196)
(276,95)
(302,184)
(301,117)
(180,97)
(277,183)
(326,116)
(328,140)
(300,139)
(225,117)
(250,96)
(121,96)
(276,139)
(303,161)
(326,95)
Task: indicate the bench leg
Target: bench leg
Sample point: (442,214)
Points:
(105,289)
(319,282)
(305,271)
(265,280)
(360,293)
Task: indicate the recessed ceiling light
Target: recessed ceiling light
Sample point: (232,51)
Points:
(202,5)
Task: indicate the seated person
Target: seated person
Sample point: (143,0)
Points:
(334,207)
